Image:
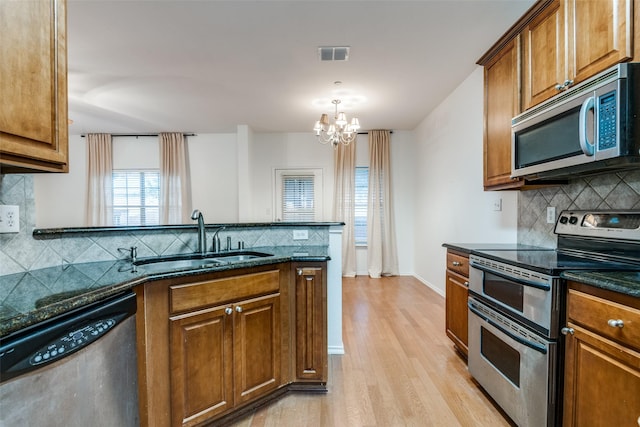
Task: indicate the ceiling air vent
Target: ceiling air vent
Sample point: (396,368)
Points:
(333,53)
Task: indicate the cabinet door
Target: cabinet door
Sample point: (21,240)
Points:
(545,55)
(201,365)
(33,84)
(501,104)
(311,312)
(602,382)
(600,35)
(257,347)
(456,310)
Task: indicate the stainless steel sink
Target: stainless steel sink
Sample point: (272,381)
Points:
(191,261)
(239,257)
(177,264)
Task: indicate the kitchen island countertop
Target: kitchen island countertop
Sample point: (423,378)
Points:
(38,295)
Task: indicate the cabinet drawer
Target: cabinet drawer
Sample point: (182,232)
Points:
(597,314)
(458,263)
(194,296)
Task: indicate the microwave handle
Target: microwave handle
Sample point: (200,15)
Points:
(585,145)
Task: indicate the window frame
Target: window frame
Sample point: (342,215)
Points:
(278,176)
(143,207)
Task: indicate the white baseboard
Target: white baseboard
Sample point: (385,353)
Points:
(336,349)
(429,285)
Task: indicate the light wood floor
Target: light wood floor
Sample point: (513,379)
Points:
(399,368)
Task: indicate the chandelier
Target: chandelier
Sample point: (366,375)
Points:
(340,132)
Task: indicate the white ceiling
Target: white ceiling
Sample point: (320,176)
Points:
(207,66)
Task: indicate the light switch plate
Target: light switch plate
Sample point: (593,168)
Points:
(300,234)
(9,219)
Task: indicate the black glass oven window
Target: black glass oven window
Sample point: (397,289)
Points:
(501,355)
(503,290)
(556,138)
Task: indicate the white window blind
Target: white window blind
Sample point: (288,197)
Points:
(136,197)
(298,198)
(361,190)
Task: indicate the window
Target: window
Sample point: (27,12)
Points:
(298,194)
(136,197)
(362,194)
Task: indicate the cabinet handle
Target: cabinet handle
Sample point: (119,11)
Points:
(566,331)
(228,311)
(466,284)
(564,85)
(457,264)
(238,309)
(616,323)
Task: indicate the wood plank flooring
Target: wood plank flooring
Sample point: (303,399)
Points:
(399,369)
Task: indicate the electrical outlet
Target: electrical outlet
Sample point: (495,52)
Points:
(497,204)
(300,234)
(9,219)
(551,215)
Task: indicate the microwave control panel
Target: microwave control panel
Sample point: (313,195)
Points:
(607,121)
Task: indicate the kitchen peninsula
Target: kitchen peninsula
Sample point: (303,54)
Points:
(274,309)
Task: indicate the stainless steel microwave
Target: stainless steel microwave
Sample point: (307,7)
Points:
(590,128)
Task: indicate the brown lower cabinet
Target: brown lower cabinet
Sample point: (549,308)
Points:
(457,291)
(213,346)
(602,362)
(310,325)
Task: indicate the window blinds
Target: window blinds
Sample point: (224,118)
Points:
(298,198)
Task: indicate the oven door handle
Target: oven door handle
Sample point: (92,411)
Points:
(522,341)
(512,279)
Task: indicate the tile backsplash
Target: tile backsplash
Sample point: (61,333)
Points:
(21,252)
(609,191)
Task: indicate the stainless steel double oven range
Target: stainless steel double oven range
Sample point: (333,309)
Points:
(517,305)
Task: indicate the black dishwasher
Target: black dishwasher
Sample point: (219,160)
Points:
(75,369)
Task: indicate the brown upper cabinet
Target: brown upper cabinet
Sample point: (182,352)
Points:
(501,103)
(556,44)
(572,40)
(33,111)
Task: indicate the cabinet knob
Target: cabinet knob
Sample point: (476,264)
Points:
(238,309)
(466,284)
(228,310)
(566,331)
(615,323)
(457,264)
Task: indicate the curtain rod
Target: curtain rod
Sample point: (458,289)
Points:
(366,132)
(139,134)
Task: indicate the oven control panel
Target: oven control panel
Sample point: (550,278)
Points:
(604,224)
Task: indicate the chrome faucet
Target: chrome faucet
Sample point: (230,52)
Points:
(216,240)
(202,236)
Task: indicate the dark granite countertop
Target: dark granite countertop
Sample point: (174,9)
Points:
(468,248)
(35,296)
(624,282)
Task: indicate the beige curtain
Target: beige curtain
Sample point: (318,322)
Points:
(344,203)
(175,189)
(382,258)
(99,171)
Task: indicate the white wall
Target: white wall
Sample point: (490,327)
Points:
(214,176)
(450,204)
(270,151)
(61,198)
